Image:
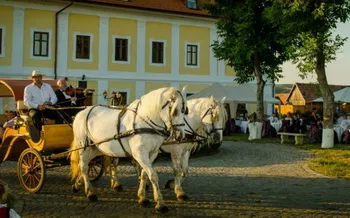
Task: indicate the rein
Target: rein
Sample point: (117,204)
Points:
(152,130)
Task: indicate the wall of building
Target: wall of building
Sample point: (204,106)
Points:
(138,76)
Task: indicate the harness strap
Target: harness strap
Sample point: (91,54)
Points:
(118,136)
(88,135)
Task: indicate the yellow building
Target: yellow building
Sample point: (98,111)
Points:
(126,46)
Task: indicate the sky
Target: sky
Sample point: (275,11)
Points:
(338,71)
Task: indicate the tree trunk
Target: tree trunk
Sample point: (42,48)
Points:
(260,100)
(328,101)
(260,88)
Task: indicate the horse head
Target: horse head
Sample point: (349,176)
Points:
(214,118)
(172,113)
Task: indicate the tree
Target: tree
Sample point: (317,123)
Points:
(248,42)
(309,25)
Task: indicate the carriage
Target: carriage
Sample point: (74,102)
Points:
(36,153)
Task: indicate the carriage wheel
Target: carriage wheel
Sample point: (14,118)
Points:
(31,170)
(96,168)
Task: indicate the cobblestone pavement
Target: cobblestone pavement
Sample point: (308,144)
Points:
(242,180)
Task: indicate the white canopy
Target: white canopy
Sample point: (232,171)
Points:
(242,93)
(342,95)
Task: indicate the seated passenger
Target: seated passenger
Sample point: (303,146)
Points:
(37,96)
(64,99)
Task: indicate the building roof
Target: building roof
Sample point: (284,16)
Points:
(282,97)
(311,91)
(170,6)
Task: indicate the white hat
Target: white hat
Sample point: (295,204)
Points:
(37,73)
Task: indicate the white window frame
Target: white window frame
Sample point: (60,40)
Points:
(198,54)
(127,94)
(75,34)
(129,49)
(49,31)
(151,52)
(2,54)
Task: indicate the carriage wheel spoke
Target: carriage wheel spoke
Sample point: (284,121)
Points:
(36,178)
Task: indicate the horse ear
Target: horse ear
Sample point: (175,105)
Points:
(212,99)
(223,100)
(184,91)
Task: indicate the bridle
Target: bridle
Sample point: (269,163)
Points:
(184,110)
(211,113)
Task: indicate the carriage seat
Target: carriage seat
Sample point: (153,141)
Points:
(23,111)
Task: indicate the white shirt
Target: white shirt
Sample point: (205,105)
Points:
(273,119)
(35,96)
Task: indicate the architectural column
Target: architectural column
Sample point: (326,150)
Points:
(213,60)
(141,46)
(17,46)
(102,85)
(175,53)
(62,46)
(175,84)
(221,68)
(268,91)
(140,89)
(103,45)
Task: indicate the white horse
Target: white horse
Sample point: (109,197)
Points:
(136,132)
(205,121)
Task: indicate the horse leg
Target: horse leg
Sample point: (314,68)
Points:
(138,171)
(184,166)
(176,156)
(114,180)
(86,157)
(77,185)
(146,164)
(142,192)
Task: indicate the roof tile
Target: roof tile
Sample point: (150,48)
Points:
(312,91)
(172,6)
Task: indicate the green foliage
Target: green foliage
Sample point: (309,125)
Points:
(309,26)
(245,30)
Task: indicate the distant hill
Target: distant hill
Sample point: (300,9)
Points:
(283,88)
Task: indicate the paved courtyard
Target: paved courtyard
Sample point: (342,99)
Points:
(242,180)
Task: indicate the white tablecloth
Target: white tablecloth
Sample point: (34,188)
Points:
(277,125)
(242,124)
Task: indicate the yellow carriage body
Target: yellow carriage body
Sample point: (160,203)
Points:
(54,138)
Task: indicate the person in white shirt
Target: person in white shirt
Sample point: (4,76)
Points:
(37,96)
(273,118)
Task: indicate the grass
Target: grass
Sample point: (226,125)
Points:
(332,162)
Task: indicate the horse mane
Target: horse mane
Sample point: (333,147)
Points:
(152,102)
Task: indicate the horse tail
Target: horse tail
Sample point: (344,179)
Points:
(74,160)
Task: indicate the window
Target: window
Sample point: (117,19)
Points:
(2,41)
(83,43)
(40,44)
(121,49)
(157,52)
(192,55)
(119,98)
(192,4)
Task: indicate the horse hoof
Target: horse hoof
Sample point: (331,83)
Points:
(162,209)
(145,203)
(92,197)
(182,198)
(74,189)
(169,184)
(118,188)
